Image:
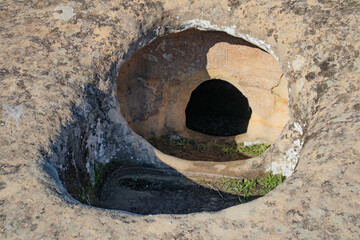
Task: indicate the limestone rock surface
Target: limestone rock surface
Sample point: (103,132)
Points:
(59,114)
(155,85)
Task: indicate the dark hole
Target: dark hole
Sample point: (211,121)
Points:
(218,108)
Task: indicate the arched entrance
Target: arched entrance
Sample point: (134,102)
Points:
(218,108)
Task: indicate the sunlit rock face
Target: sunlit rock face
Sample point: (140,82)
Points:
(154,87)
(59,61)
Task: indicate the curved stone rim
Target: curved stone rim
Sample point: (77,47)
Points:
(320,200)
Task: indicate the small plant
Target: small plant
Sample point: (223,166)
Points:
(201,147)
(230,184)
(100,169)
(183,142)
(199,180)
(191,149)
(176,140)
(271,181)
(253,150)
(88,191)
(251,187)
(245,186)
(229,151)
(248,187)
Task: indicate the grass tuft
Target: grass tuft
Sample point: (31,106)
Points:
(253,150)
(271,181)
(245,188)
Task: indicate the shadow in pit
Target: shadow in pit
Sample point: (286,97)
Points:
(152,191)
(104,164)
(101,162)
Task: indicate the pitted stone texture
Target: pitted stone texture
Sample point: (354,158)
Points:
(155,86)
(48,65)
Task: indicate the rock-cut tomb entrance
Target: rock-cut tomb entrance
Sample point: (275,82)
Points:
(196,85)
(203,84)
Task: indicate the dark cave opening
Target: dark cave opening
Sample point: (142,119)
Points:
(217,108)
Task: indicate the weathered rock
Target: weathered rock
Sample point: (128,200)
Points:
(155,86)
(58,67)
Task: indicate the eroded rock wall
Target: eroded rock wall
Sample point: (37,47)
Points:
(50,49)
(155,86)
